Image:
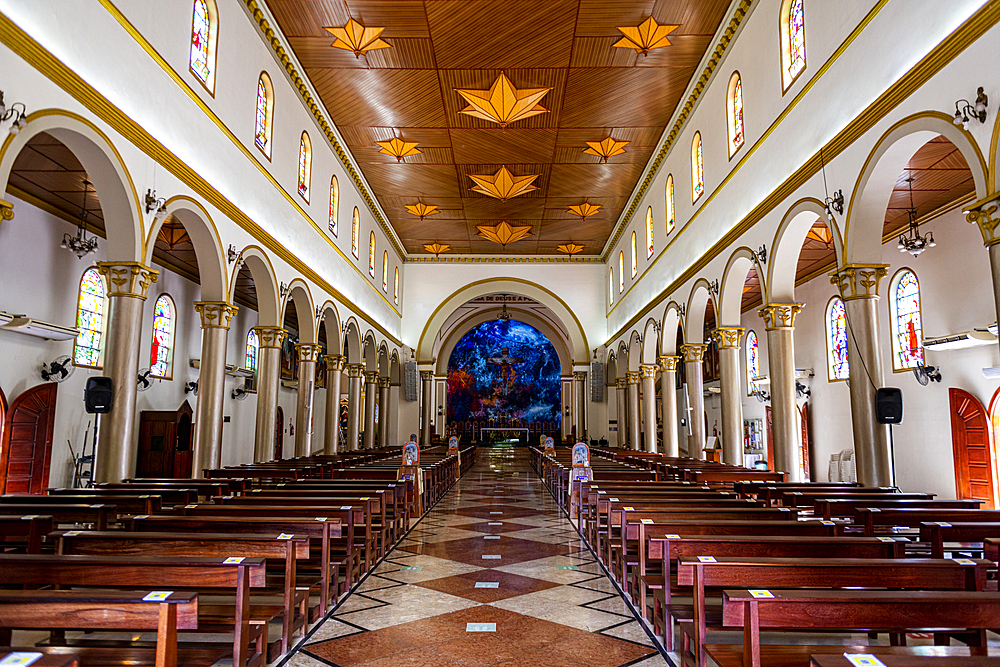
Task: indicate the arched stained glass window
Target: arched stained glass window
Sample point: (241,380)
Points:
(305,166)
(385,270)
(264,114)
(621,272)
(836,340)
(253,346)
(355,231)
(395,287)
(371,255)
(905,320)
(670,203)
(92,306)
(611,286)
(753,362)
(161,356)
(735,112)
(204,33)
(697,168)
(793,41)
(334,202)
(634,265)
(649,232)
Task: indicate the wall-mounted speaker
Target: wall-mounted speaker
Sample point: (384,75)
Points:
(98,395)
(410,380)
(889,405)
(596,382)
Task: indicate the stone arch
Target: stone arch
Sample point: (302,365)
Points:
(634,351)
(622,367)
(370,352)
(866,212)
(212,269)
(394,374)
(784,257)
(352,342)
(383,360)
(993,156)
(330,318)
(305,311)
(611,368)
(264,280)
(694,328)
(671,320)
(734,277)
(123,217)
(650,342)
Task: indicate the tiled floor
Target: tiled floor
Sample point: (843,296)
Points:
(551,606)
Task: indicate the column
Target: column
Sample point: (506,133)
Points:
(427,396)
(635,437)
(984,213)
(779,320)
(215,319)
(728,340)
(693,355)
(668,383)
(371,396)
(648,375)
(353,406)
(308,354)
(268,376)
(331,430)
(621,394)
(858,285)
(383,412)
(580,418)
(128,283)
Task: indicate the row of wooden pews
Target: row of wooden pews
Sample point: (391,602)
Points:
(701,548)
(235,566)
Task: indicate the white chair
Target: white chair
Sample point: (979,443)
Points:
(833,471)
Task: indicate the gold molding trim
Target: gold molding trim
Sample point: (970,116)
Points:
(727,338)
(270,336)
(648,371)
(633,377)
(779,315)
(215,314)
(858,281)
(693,352)
(984,214)
(131,279)
(503,259)
(354,370)
(308,352)
(6,210)
(334,362)
(668,363)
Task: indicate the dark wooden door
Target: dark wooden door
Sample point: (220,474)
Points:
(806,453)
(279,431)
(970,441)
(157,435)
(27,440)
(183,452)
(770,439)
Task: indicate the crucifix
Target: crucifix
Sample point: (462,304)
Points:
(506,363)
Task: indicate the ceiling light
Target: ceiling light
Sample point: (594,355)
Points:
(606,148)
(584,210)
(80,245)
(357,38)
(398,148)
(437,248)
(503,103)
(911,240)
(504,233)
(503,185)
(645,37)
(422,210)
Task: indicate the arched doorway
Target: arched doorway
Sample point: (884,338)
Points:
(279,430)
(27,440)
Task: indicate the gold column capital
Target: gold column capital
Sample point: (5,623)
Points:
(270,336)
(371,377)
(858,281)
(354,370)
(983,213)
(128,278)
(580,376)
(727,338)
(693,352)
(779,315)
(621,383)
(308,352)
(648,371)
(426,375)
(334,362)
(633,377)
(668,362)
(384,382)
(6,210)
(215,314)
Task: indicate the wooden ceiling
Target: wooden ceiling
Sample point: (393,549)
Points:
(438,46)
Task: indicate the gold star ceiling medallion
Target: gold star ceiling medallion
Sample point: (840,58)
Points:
(398,148)
(503,185)
(503,103)
(437,248)
(504,233)
(357,38)
(570,248)
(606,148)
(584,210)
(645,37)
(422,210)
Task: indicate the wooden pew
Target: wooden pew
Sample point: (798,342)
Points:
(169,496)
(99,514)
(126,504)
(922,656)
(829,508)
(25,533)
(938,532)
(67,660)
(874,518)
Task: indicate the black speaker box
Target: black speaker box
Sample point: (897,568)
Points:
(889,405)
(98,395)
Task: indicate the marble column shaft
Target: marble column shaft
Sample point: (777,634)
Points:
(268,376)
(648,375)
(383,412)
(634,425)
(621,396)
(128,284)
(308,354)
(215,319)
(331,423)
(353,406)
(580,418)
(371,398)
(427,405)
(693,355)
(668,382)
(779,321)
(728,341)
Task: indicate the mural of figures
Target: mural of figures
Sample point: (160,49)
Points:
(504,369)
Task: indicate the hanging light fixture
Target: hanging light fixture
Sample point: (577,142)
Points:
(80,244)
(911,240)
(503,315)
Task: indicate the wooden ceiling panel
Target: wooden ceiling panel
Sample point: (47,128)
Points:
(601,18)
(642,96)
(480,208)
(432,227)
(482,79)
(572,230)
(428,155)
(694,18)
(450,208)
(512,145)
(684,51)
(592,179)
(417,180)
(598,52)
(362,135)
(397,98)
(316,52)
(465,182)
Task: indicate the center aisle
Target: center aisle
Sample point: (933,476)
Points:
(495,574)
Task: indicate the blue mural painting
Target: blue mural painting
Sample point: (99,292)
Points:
(504,369)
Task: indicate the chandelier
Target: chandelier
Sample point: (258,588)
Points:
(80,244)
(503,315)
(911,240)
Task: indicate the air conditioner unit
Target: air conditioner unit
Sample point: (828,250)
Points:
(26,325)
(960,340)
(231,369)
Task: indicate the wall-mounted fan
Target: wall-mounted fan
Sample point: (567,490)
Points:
(143,381)
(925,374)
(239,393)
(191,387)
(58,370)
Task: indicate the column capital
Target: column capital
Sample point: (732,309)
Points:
(633,377)
(384,382)
(215,314)
(580,376)
(858,281)
(983,213)
(128,278)
(648,370)
(308,352)
(727,337)
(334,362)
(693,352)
(779,315)
(6,210)
(371,377)
(621,383)
(354,370)
(668,363)
(270,336)
(426,375)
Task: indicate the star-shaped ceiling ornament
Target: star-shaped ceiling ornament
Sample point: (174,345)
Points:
(570,248)
(645,37)
(503,185)
(357,38)
(398,148)
(584,210)
(606,148)
(437,248)
(422,210)
(503,103)
(504,233)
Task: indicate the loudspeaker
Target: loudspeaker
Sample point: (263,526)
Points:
(889,405)
(98,395)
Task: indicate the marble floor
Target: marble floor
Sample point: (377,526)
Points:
(494,574)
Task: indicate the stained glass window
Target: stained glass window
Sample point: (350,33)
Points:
(753,362)
(836,340)
(697,168)
(264,113)
(161,355)
(253,345)
(355,225)
(91,307)
(371,255)
(334,201)
(670,203)
(305,166)
(621,272)
(907,331)
(634,265)
(385,270)
(395,287)
(649,232)
(793,47)
(203,32)
(611,286)
(735,113)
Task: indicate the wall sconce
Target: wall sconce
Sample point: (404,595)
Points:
(834,203)
(761,254)
(282,290)
(154,203)
(440,411)
(567,411)
(17,111)
(964,109)
(713,287)
(231,254)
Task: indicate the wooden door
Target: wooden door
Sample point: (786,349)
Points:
(770,439)
(183,454)
(279,432)
(970,441)
(157,438)
(27,440)
(806,453)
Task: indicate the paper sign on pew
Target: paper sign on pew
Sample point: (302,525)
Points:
(157,596)
(863,660)
(20,658)
(761,593)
